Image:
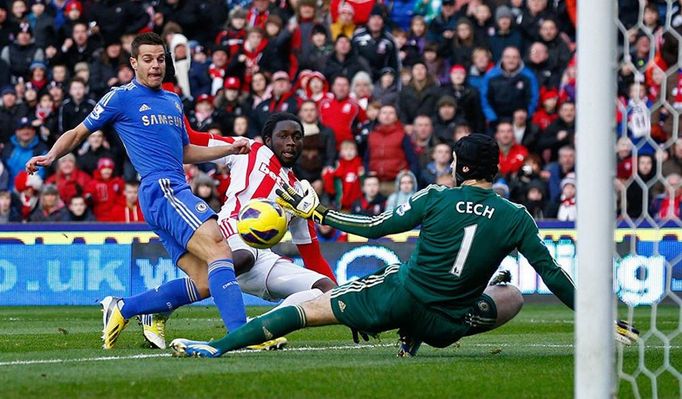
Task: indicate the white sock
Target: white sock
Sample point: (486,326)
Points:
(298,297)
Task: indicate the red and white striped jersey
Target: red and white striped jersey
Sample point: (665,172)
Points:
(257,175)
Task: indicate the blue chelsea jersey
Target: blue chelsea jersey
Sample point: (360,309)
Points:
(151,125)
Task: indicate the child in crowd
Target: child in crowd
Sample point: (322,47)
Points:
(347,175)
(372,202)
(567,209)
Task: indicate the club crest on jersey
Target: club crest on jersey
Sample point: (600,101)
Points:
(403,208)
(96,112)
(201,207)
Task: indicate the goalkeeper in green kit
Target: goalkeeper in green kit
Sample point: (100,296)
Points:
(441,294)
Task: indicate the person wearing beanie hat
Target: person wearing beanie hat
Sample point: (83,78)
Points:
(344,24)
(50,208)
(443,26)
(547,112)
(105,190)
(43,24)
(315,55)
(506,34)
(27,188)
(386,91)
(21,146)
(204,114)
(22,52)
(467,97)
(375,45)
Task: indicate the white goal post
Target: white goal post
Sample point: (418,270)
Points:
(595,160)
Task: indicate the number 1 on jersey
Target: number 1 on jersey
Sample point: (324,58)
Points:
(464,248)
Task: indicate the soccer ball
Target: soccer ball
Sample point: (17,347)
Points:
(261,223)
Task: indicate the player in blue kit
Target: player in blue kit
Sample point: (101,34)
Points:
(149,121)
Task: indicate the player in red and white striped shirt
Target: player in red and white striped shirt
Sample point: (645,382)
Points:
(262,272)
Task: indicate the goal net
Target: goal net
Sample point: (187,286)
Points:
(648,194)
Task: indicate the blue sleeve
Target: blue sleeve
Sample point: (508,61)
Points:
(534,92)
(487,108)
(104,112)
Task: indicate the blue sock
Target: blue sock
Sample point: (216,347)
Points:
(167,297)
(226,294)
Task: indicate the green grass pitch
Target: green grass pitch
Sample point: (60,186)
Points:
(53,352)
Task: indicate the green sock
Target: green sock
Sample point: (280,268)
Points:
(263,328)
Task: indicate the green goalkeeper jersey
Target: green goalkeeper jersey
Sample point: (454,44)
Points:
(465,234)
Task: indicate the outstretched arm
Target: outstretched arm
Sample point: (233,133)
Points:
(533,248)
(66,143)
(197,154)
(403,218)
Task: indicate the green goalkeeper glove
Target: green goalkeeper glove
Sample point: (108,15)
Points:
(306,206)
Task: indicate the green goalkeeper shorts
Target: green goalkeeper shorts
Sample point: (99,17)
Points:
(379,302)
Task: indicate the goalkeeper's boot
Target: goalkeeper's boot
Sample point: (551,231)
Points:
(270,345)
(501,278)
(407,346)
(625,333)
(154,328)
(186,348)
(113,321)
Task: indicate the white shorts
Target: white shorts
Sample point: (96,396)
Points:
(272,277)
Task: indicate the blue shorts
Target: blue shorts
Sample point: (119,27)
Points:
(173,212)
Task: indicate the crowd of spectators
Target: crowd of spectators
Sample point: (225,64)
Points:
(384,89)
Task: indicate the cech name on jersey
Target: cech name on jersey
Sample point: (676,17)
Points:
(476,209)
(161,119)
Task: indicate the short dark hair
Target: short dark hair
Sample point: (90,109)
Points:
(372,176)
(340,76)
(145,38)
(133,183)
(274,119)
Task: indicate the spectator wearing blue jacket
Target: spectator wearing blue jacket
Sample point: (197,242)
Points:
(22,146)
(508,87)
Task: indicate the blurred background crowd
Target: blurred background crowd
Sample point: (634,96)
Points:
(384,89)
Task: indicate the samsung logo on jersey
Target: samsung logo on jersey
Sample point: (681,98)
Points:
(160,119)
(476,209)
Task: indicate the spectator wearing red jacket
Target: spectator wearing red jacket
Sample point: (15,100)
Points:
(347,173)
(70,180)
(389,150)
(341,113)
(258,13)
(129,211)
(671,206)
(512,154)
(547,112)
(105,190)
(247,62)
(232,37)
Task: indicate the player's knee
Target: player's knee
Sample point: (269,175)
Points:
(204,291)
(243,261)
(508,301)
(324,284)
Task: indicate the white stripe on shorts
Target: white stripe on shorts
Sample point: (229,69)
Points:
(180,208)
